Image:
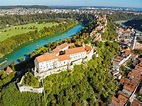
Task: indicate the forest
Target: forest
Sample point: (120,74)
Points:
(5,79)
(30,80)
(135,23)
(12,43)
(44,17)
(119,16)
(87,84)
(11,96)
(110,33)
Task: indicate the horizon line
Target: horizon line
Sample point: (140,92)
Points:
(69,5)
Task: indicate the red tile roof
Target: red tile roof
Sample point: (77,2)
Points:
(62,46)
(63,57)
(56,50)
(123,94)
(8,70)
(115,101)
(124,80)
(136,103)
(135,75)
(88,49)
(127,51)
(119,58)
(51,56)
(115,63)
(46,57)
(138,67)
(75,50)
(129,86)
(120,101)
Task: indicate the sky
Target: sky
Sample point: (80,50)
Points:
(120,3)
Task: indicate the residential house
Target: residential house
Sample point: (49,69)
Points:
(8,70)
(136,102)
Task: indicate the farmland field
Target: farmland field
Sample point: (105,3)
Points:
(15,30)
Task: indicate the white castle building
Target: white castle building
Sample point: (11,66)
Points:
(62,58)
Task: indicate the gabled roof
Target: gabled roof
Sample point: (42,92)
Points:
(136,103)
(138,67)
(123,94)
(8,70)
(124,80)
(129,86)
(115,101)
(135,75)
(62,46)
(88,49)
(75,50)
(121,29)
(120,101)
(46,57)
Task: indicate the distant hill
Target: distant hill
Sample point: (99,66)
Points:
(135,23)
(25,6)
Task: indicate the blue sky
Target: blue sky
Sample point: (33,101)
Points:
(120,3)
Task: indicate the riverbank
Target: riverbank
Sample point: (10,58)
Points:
(121,22)
(10,44)
(23,50)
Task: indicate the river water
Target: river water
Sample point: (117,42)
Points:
(23,50)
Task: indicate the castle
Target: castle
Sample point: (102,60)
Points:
(63,57)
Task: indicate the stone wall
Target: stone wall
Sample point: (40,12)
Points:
(29,89)
(23,88)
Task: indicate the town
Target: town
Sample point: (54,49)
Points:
(23,11)
(126,67)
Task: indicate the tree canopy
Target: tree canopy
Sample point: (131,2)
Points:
(30,80)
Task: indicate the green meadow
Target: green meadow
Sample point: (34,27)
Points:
(10,31)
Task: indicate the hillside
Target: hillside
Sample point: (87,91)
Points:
(135,23)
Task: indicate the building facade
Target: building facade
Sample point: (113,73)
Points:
(61,58)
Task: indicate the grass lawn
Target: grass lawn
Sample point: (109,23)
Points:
(15,30)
